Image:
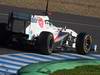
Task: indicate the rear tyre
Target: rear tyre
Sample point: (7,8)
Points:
(3,33)
(83,43)
(45,43)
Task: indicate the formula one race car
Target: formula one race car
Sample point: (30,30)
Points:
(48,37)
(45,37)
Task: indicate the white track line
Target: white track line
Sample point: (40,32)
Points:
(33,57)
(13,62)
(83,56)
(65,56)
(17,58)
(48,56)
(8,70)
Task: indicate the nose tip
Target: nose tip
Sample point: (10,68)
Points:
(94,48)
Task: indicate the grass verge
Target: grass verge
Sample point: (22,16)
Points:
(80,70)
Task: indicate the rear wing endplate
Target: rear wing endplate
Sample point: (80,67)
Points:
(20,16)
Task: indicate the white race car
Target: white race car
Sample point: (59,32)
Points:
(48,38)
(44,36)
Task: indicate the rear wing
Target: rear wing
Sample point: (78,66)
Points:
(19,16)
(25,17)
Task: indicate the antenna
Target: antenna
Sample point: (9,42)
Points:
(46,12)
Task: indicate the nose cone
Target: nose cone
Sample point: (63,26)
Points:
(94,47)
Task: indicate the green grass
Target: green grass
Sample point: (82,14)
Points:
(78,67)
(80,70)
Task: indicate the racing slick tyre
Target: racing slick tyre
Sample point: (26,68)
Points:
(3,33)
(45,43)
(83,43)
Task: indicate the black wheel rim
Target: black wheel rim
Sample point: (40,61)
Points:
(50,44)
(87,43)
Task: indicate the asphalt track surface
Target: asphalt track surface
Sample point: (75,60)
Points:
(78,23)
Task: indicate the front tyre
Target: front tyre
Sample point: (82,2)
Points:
(83,43)
(45,42)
